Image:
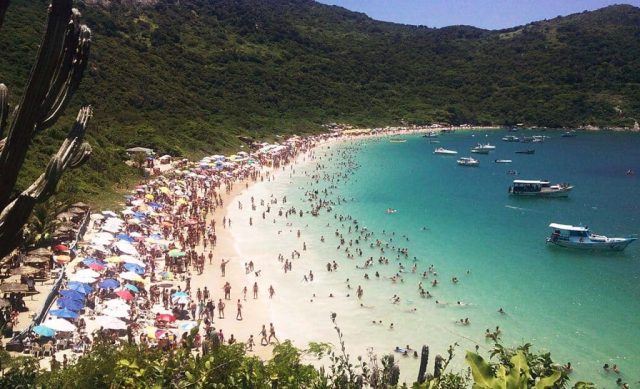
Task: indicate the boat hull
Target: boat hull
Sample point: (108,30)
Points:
(618,244)
(554,194)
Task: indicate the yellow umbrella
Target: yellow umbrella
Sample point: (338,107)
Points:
(61,258)
(181,201)
(115,259)
(164,189)
(149,196)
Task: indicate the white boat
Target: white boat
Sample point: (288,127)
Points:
(396,140)
(487,146)
(580,237)
(430,134)
(443,151)
(502,161)
(539,188)
(511,138)
(468,161)
(483,149)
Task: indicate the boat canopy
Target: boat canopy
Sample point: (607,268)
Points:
(567,227)
(539,182)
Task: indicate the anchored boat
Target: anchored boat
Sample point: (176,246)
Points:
(580,237)
(443,151)
(539,188)
(468,161)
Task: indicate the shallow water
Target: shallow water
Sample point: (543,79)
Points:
(581,306)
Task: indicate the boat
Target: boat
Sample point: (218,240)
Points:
(434,141)
(430,134)
(443,151)
(569,134)
(565,235)
(483,149)
(511,138)
(468,161)
(391,210)
(529,151)
(538,138)
(397,140)
(539,188)
(502,161)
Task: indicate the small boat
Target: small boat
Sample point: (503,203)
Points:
(569,134)
(391,210)
(397,140)
(539,188)
(580,237)
(502,161)
(434,141)
(483,149)
(511,138)
(513,129)
(443,151)
(529,151)
(538,138)
(512,172)
(468,161)
(430,134)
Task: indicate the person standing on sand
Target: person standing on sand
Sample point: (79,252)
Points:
(220,309)
(244,293)
(223,266)
(263,336)
(239,314)
(250,343)
(255,290)
(271,291)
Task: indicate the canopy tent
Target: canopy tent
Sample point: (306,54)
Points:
(61,325)
(64,312)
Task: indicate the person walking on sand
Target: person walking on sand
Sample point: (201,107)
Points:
(271,291)
(263,336)
(220,309)
(239,314)
(255,290)
(272,334)
(250,343)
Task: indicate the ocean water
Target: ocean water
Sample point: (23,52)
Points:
(583,307)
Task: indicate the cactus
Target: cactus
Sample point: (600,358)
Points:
(60,64)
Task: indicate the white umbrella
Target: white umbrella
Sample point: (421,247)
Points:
(130,259)
(109,213)
(126,247)
(82,278)
(115,312)
(188,325)
(104,236)
(87,273)
(131,276)
(96,216)
(180,300)
(59,325)
(111,228)
(117,304)
(111,323)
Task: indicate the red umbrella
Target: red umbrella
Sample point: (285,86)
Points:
(125,294)
(165,317)
(61,247)
(96,267)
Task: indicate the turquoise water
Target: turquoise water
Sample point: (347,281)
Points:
(584,307)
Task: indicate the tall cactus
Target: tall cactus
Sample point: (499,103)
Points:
(60,64)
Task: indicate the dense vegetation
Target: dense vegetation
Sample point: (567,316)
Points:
(186,77)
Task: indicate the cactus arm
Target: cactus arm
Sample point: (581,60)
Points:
(71,154)
(25,122)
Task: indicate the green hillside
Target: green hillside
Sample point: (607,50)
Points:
(186,77)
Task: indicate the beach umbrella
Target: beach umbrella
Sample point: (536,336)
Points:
(96,267)
(26,270)
(14,287)
(180,300)
(104,235)
(188,325)
(80,204)
(60,247)
(72,294)
(64,312)
(132,288)
(180,294)
(109,213)
(44,331)
(80,287)
(133,260)
(109,283)
(36,259)
(111,323)
(111,312)
(131,276)
(87,273)
(176,253)
(82,278)
(96,216)
(124,237)
(126,247)
(125,294)
(71,304)
(61,258)
(40,252)
(165,317)
(61,325)
(132,267)
(114,259)
(76,210)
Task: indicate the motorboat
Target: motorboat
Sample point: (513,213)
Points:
(502,161)
(538,138)
(468,161)
(430,134)
(487,146)
(443,151)
(539,188)
(528,151)
(483,149)
(391,210)
(511,138)
(565,235)
(392,140)
(569,134)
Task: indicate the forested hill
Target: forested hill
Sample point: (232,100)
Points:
(190,75)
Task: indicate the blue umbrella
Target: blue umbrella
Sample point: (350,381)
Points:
(74,305)
(134,268)
(180,294)
(139,215)
(109,283)
(44,331)
(64,312)
(154,205)
(72,294)
(80,287)
(132,288)
(124,237)
(89,260)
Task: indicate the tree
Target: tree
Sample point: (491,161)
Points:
(55,76)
